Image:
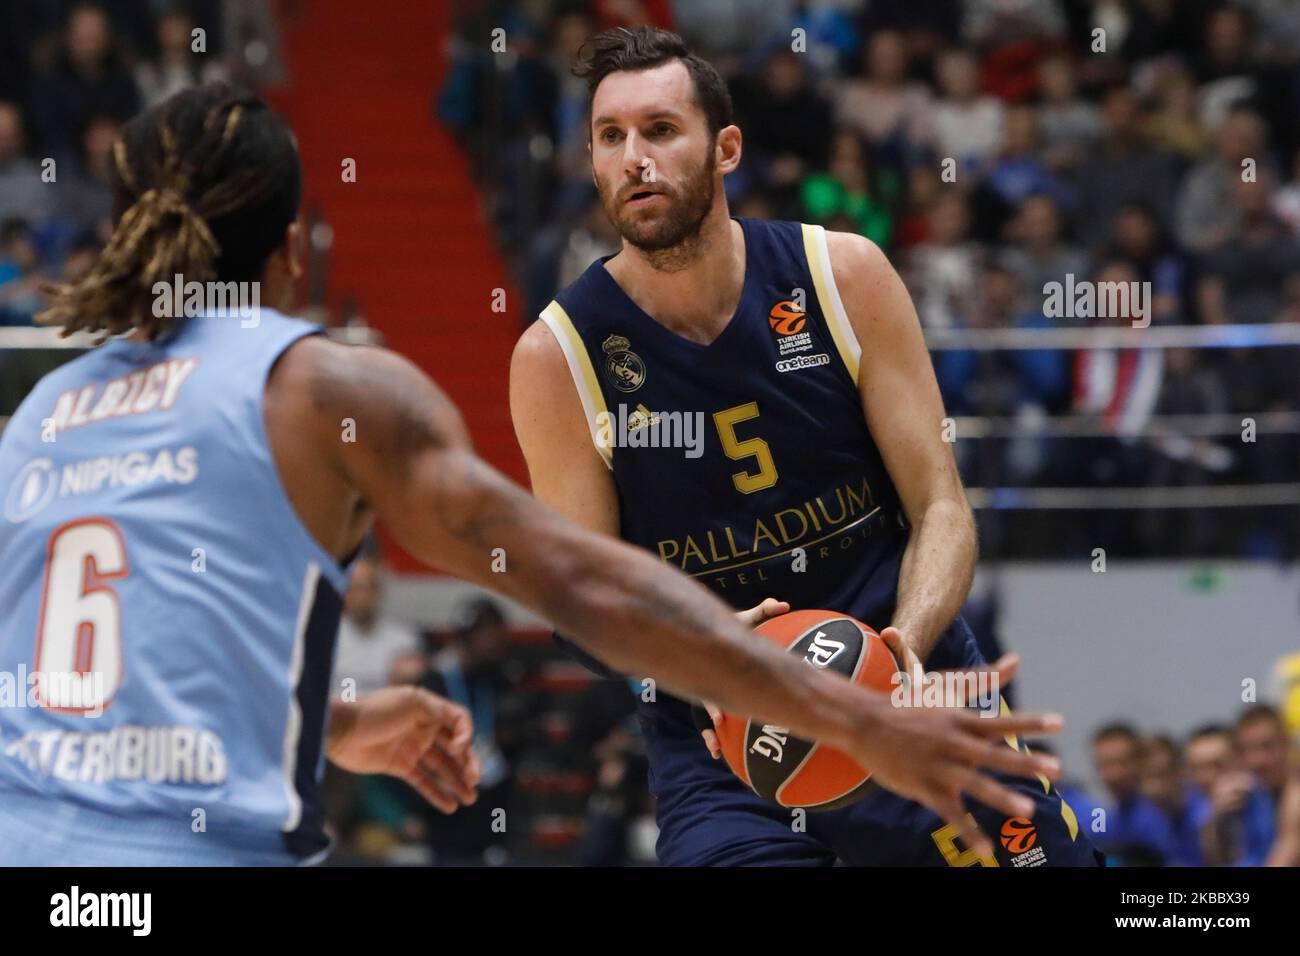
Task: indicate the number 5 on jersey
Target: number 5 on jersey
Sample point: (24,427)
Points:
(737,449)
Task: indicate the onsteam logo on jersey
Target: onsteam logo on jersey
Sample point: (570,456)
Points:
(803,361)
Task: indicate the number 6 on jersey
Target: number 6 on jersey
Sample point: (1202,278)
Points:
(79,635)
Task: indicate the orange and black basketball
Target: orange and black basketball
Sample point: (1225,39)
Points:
(803,773)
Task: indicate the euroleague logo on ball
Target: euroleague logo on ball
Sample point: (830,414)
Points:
(1018,835)
(786,318)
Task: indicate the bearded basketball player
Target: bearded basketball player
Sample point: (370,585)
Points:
(822,481)
(181,507)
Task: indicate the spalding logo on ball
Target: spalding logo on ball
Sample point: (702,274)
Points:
(803,773)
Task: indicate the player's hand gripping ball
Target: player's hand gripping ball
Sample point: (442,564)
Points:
(803,773)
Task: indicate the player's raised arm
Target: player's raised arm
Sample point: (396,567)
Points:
(412,462)
(903,408)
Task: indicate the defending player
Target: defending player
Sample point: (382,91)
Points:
(819,475)
(180,508)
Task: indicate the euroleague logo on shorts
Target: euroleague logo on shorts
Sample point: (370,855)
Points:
(1020,838)
(786,318)
(1018,835)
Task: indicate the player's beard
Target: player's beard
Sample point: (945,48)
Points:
(671,237)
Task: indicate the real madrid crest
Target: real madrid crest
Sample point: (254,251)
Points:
(623,367)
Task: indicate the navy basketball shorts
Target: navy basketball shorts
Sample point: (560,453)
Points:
(708,817)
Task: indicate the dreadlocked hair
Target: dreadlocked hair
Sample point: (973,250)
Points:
(204,186)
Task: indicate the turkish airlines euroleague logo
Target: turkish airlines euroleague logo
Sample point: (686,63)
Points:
(786,318)
(1018,835)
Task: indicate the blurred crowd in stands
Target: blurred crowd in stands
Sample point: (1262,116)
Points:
(70,74)
(990,147)
(563,768)
(1226,796)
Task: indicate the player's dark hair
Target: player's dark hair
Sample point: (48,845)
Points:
(1210,730)
(204,185)
(621,50)
(1166,743)
(1260,712)
(1123,730)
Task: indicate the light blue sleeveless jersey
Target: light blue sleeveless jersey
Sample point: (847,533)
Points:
(167,624)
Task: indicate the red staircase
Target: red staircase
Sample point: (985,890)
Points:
(411,244)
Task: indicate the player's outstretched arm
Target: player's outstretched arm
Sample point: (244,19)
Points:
(411,461)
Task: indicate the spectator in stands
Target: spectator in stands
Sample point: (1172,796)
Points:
(84,194)
(1069,124)
(1286,201)
(1188,387)
(1021,384)
(1136,832)
(1119,385)
(177,66)
(619,827)
(1226,69)
(787,125)
(1138,237)
(995,21)
(1207,216)
(1176,125)
(23,195)
(943,269)
(370,643)
(378,818)
(883,103)
(470,671)
(1040,253)
(1124,168)
(1236,823)
(1019,172)
(848,188)
(21,275)
(964,124)
(1155,28)
(725,26)
(1262,743)
(1251,273)
(81,257)
(88,78)
(1165,784)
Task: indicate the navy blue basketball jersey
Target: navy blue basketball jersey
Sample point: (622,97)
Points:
(746,463)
